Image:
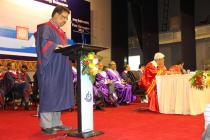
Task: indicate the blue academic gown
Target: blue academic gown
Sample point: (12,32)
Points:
(54,71)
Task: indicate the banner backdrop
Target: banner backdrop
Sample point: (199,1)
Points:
(80,13)
(19,20)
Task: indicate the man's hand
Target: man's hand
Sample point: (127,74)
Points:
(59,46)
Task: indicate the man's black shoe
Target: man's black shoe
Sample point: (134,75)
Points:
(98,107)
(48,131)
(61,128)
(115,104)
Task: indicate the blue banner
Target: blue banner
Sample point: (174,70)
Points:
(16,30)
(80,13)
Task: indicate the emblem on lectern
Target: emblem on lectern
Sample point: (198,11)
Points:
(88,97)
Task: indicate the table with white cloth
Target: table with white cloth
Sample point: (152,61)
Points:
(177,96)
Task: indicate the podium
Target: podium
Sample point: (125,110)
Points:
(84,90)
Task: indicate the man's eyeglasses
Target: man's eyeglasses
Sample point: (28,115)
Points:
(63,17)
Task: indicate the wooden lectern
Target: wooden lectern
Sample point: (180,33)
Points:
(84,90)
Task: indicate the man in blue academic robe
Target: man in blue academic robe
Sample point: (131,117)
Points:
(54,72)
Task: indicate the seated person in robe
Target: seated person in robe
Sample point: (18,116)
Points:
(2,73)
(129,77)
(24,75)
(16,84)
(126,74)
(104,88)
(178,68)
(122,89)
(148,81)
(25,78)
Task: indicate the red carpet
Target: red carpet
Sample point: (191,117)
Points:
(121,123)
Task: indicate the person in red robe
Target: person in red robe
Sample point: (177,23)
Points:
(24,76)
(2,73)
(178,68)
(14,86)
(153,68)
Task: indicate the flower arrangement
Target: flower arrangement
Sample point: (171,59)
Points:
(201,79)
(90,65)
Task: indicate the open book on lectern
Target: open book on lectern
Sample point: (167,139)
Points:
(81,46)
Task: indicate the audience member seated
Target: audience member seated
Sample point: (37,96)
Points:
(133,78)
(125,74)
(2,73)
(25,78)
(104,89)
(24,75)
(122,89)
(17,86)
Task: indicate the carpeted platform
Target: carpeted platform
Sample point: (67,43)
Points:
(121,123)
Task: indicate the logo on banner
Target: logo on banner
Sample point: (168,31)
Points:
(21,33)
(88,97)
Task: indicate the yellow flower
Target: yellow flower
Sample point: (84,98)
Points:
(91,65)
(95,70)
(208,81)
(90,56)
(91,71)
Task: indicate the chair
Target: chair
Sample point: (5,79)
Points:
(35,90)
(11,91)
(134,77)
(35,95)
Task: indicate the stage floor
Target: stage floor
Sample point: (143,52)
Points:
(121,123)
